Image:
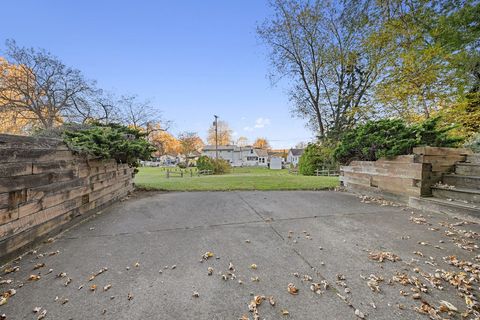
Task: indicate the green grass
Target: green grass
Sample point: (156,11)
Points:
(239,179)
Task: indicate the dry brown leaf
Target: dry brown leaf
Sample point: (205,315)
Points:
(11,269)
(42,314)
(38,266)
(383,255)
(34,277)
(292,289)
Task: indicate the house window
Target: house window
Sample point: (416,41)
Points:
(252,158)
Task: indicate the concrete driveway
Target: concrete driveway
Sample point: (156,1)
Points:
(291,237)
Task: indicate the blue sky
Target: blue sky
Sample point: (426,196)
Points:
(191,58)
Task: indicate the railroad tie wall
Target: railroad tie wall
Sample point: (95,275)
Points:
(44,188)
(404,176)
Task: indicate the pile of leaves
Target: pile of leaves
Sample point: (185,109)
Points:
(391,137)
(216,166)
(112,141)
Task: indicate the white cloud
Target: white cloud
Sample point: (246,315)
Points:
(248,129)
(234,133)
(262,122)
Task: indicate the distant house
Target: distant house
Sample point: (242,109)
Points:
(294,156)
(238,156)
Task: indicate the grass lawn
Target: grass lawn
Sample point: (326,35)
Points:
(239,179)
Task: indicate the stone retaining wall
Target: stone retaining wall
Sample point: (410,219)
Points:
(44,188)
(403,176)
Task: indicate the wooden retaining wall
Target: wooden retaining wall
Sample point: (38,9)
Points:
(44,188)
(403,176)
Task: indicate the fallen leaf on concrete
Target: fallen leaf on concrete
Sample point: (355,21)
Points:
(285,312)
(37,309)
(253,266)
(38,266)
(383,255)
(271,300)
(207,255)
(107,287)
(418,253)
(93,287)
(231,267)
(34,277)
(42,314)
(255,279)
(195,294)
(209,271)
(244,317)
(61,275)
(67,282)
(359,314)
(373,282)
(419,220)
(292,289)
(11,269)
(446,306)
(129,296)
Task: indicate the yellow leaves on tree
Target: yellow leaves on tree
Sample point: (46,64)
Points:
(261,143)
(165,143)
(12,119)
(190,142)
(224,134)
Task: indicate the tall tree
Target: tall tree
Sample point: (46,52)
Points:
(433,55)
(141,114)
(190,141)
(40,88)
(261,143)
(319,46)
(224,134)
(164,142)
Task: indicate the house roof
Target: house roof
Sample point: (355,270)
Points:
(296,152)
(212,148)
(261,152)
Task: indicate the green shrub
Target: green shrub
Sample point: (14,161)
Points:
(204,163)
(219,166)
(391,137)
(112,141)
(315,157)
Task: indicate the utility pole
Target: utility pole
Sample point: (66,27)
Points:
(216,136)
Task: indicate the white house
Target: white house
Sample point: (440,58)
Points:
(238,156)
(294,156)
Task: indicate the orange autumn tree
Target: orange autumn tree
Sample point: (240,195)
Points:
(37,88)
(12,120)
(165,143)
(190,142)
(224,134)
(261,143)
